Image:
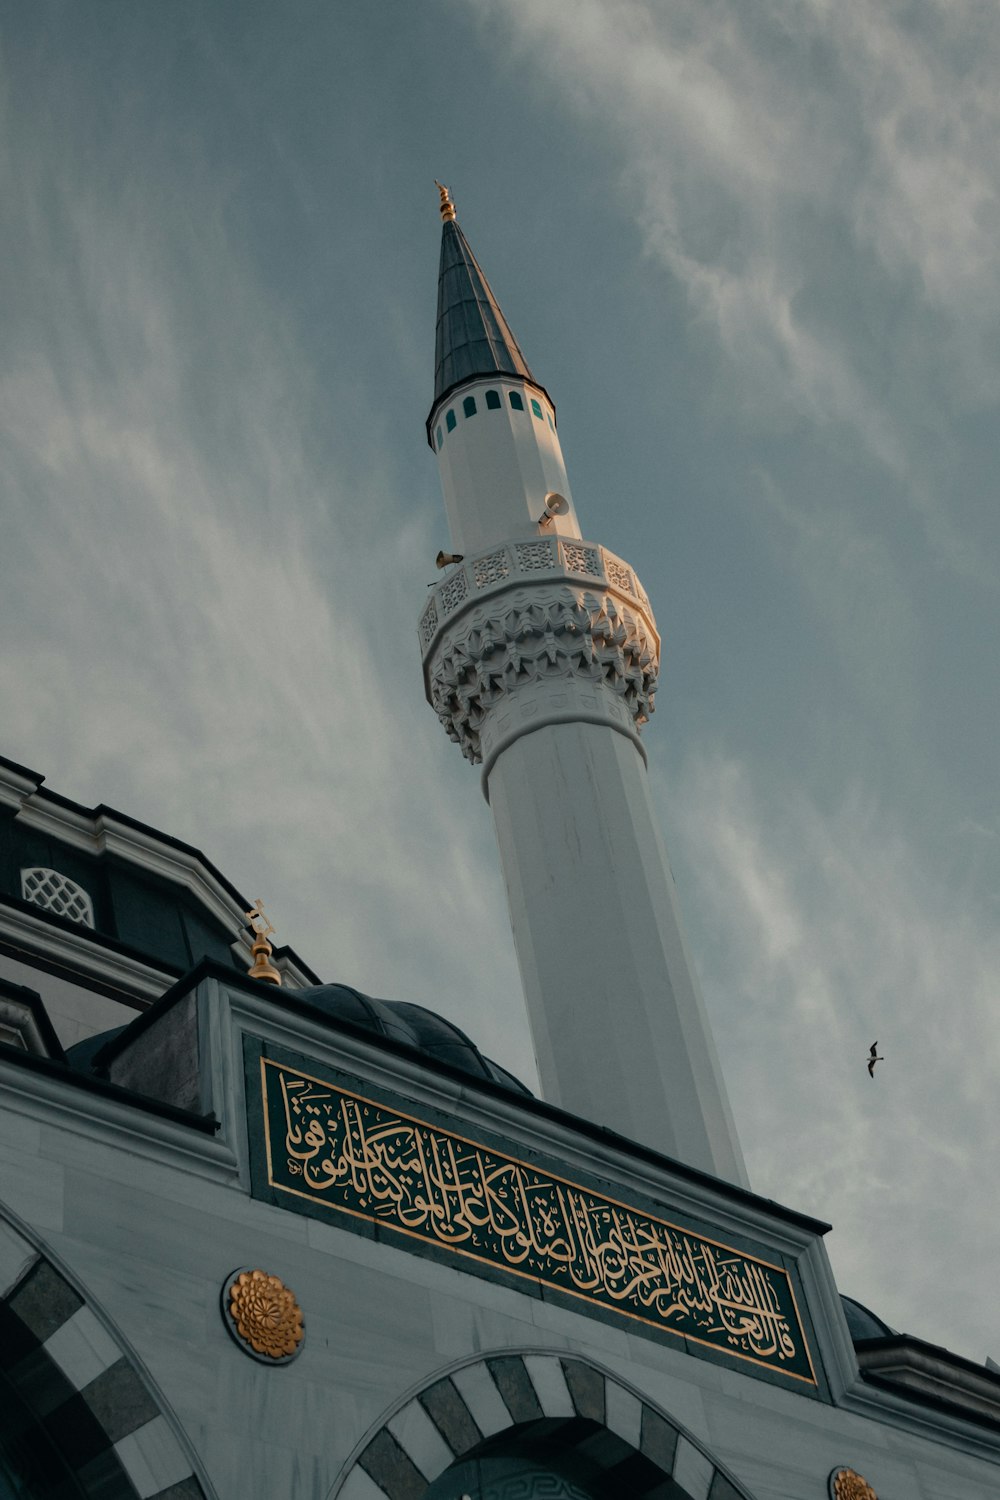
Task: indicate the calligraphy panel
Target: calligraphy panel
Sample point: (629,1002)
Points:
(328,1146)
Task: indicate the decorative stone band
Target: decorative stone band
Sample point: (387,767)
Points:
(78,1389)
(571,1400)
(535,633)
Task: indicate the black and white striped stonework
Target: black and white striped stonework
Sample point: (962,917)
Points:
(569,1402)
(76,1417)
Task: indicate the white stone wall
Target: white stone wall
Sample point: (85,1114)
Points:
(150,1218)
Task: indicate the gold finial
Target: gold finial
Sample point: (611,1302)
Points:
(447,207)
(261,948)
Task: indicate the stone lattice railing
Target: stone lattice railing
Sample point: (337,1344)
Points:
(505,620)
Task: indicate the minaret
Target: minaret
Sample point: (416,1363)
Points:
(540,658)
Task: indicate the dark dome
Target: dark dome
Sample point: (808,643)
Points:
(81,1055)
(411,1025)
(862,1323)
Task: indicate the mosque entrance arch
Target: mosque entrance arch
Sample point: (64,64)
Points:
(573,1459)
(532,1425)
(78,1413)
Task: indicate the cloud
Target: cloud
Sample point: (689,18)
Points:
(201,625)
(819,933)
(821,181)
(852,581)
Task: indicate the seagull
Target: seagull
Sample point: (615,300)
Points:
(874,1059)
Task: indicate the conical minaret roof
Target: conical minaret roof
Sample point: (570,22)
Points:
(473,336)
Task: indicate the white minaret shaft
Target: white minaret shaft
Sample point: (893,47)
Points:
(540,657)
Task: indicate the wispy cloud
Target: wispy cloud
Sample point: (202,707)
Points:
(213,564)
(799,169)
(202,620)
(821,932)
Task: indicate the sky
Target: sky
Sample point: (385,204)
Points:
(751,253)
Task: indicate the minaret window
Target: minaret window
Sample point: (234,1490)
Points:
(536,409)
(439,437)
(493,400)
(450,421)
(469,406)
(515,400)
(55,892)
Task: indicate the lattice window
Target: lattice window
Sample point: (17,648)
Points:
(531,556)
(619,576)
(55,892)
(428,623)
(453,592)
(580,559)
(491,569)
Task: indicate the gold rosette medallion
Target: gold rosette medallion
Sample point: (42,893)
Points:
(263,1316)
(845,1484)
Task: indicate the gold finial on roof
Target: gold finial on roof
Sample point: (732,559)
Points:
(447,207)
(260,947)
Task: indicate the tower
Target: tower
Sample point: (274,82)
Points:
(540,658)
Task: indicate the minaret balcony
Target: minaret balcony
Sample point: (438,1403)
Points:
(538,631)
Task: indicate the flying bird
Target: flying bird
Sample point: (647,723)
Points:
(874,1059)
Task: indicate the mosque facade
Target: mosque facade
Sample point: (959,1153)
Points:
(266,1236)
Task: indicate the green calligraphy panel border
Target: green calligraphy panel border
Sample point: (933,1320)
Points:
(330,1148)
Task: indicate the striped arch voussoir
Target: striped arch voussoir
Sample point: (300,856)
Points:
(453,1416)
(64,1371)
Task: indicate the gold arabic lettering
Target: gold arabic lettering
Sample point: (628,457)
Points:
(425,1181)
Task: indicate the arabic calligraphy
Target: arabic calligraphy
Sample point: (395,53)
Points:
(362,1158)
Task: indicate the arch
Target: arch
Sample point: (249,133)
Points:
(563,1396)
(63,1365)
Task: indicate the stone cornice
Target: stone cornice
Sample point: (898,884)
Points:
(101,832)
(100,1112)
(894,1406)
(910,1365)
(17,783)
(81,955)
(523,614)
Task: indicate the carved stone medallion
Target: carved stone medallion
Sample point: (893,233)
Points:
(845,1484)
(263,1316)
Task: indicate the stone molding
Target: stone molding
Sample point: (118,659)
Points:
(101,831)
(514,622)
(80,956)
(909,1365)
(63,1099)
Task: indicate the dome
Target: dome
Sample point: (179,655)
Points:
(412,1026)
(81,1055)
(862,1323)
